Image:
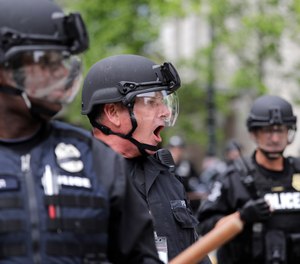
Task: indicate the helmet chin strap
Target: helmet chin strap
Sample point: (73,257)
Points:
(37,112)
(271,155)
(142,147)
(34,109)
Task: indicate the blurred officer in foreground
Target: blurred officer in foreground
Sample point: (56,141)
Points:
(64,196)
(129,100)
(266,176)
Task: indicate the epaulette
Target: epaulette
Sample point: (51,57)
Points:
(295,162)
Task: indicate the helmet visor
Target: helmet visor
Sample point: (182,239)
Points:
(53,76)
(166,105)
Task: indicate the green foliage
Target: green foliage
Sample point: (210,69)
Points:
(250,31)
(121,26)
(252,34)
(114,27)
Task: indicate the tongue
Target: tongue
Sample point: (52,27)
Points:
(157,134)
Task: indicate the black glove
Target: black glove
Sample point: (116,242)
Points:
(255,211)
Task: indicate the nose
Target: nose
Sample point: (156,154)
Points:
(164,111)
(276,136)
(59,71)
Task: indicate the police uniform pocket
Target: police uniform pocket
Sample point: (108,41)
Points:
(9,193)
(8,183)
(182,214)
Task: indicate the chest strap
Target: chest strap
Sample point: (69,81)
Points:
(70,249)
(11,225)
(75,201)
(10,202)
(76,225)
(10,250)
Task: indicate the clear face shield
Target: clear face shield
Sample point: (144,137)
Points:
(163,104)
(53,76)
(273,139)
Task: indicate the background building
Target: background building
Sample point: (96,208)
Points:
(181,38)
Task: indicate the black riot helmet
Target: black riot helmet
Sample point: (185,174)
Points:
(38,33)
(268,111)
(122,78)
(29,25)
(271,110)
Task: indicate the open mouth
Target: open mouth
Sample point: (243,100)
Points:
(156,133)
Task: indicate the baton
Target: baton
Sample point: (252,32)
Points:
(228,227)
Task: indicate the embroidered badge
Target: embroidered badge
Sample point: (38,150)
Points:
(68,157)
(296,181)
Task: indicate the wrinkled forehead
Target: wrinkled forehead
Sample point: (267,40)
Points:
(154,94)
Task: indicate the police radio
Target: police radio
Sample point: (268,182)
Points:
(165,157)
(247,170)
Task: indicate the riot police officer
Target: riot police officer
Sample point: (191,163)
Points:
(129,99)
(64,196)
(185,169)
(265,176)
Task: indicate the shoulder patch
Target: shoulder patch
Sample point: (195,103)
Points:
(68,157)
(215,191)
(296,181)
(295,162)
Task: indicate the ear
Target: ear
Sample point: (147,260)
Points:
(253,135)
(112,113)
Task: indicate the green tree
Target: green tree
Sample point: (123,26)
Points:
(119,26)
(250,32)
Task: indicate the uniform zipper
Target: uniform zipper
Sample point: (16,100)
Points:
(33,207)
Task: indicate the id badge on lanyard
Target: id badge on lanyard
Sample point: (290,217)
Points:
(162,248)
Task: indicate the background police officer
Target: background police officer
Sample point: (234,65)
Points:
(267,175)
(185,169)
(129,100)
(64,196)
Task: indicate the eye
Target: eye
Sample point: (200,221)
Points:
(150,101)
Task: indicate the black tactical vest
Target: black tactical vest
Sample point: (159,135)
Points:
(53,208)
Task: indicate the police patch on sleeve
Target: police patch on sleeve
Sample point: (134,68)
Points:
(215,192)
(68,157)
(296,181)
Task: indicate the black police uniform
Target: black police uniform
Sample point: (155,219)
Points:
(275,241)
(68,223)
(165,197)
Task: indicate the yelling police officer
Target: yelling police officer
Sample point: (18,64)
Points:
(64,196)
(129,99)
(266,176)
